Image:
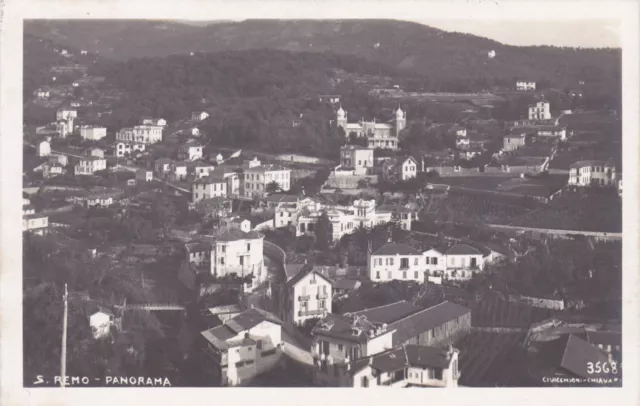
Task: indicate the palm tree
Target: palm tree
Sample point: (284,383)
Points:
(273,187)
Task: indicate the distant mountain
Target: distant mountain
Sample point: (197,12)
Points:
(440,55)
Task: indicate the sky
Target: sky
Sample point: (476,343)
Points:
(582,33)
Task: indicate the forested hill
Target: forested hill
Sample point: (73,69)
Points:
(442,56)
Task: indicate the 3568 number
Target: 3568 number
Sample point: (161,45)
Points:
(599,367)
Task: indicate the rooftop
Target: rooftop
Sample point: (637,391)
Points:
(266,168)
(233,234)
(582,164)
(425,320)
(308,270)
(572,354)
(349,328)
(389,313)
(404,356)
(396,249)
(463,249)
(198,246)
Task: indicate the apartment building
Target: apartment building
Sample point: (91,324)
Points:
(89,165)
(92,132)
(208,187)
(257,178)
(140,134)
(592,173)
(402,262)
(308,295)
(122,148)
(244,346)
(525,85)
(241,253)
(540,110)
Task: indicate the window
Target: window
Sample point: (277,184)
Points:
(390,261)
(248,247)
(221,261)
(415,275)
(340,347)
(365,382)
(323,304)
(415,262)
(404,263)
(377,274)
(439,374)
(404,274)
(389,275)
(259,344)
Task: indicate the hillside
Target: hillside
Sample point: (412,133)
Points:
(452,61)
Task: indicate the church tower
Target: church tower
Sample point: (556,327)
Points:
(400,121)
(341,118)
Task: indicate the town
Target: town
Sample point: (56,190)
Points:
(380,233)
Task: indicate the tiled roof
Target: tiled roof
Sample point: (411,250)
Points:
(304,272)
(281,197)
(389,313)
(266,168)
(396,249)
(404,356)
(292,270)
(390,361)
(425,320)
(347,284)
(581,164)
(233,234)
(463,249)
(572,354)
(346,328)
(249,319)
(198,246)
(427,357)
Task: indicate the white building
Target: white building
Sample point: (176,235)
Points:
(592,173)
(179,171)
(90,165)
(35,223)
(199,115)
(162,166)
(257,178)
(491,54)
(50,170)
(525,85)
(308,295)
(244,346)
(208,187)
(42,94)
(379,135)
(356,157)
(144,175)
(122,148)
(201,169)
(101,322)
(59,159)
(399,169)
(240,253)
(540,110)
(190,151)
(94,151)
(153,121)
(402,262)
(43,149)
(552,131)
(140,134)
(407,366)
(92,133)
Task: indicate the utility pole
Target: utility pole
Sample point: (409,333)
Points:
(63,358)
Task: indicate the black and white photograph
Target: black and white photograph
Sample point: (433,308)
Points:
(418,202)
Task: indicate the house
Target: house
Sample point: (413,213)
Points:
(140,134)
(356,157)
(214,208)
(93,151)
(541,110)
(92,132)
(195,132)
(592,173)
(463,261)
(378,135)
(407,366)
(42,94)
(257,178)
(226,312)
(208,187)
(161,122)
(232,177)
(90,165)
(400,169)
(179,170)
(131,182)
(525,85)
(201,169)
(199,115)
(64,128)
(558,132)
(28,209)
(190,151)
(241,222)
(462,142)
(404,216)
(59,159)
(329,98)
(35,223)
(244,346)
(337,340)
(511,142)
(199,254)
(491,54)
(397,261)
(162,166)
(471,152)
(308,296)
(122,148)
(99,200)
(144,175)
(101,322)
(460,132)
(43,149)
(50,170)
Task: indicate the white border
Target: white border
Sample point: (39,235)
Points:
(11,167)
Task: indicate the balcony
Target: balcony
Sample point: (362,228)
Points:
(312,312)
(304,298)
(322,295)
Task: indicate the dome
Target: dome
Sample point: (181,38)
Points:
(341,112)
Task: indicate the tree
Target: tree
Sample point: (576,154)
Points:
(355,140)
(324,232)
(273,187)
